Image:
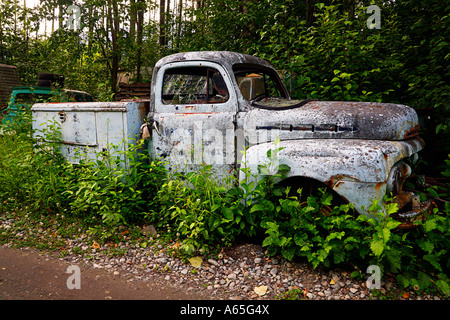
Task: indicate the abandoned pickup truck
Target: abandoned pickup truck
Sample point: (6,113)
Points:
(228,109)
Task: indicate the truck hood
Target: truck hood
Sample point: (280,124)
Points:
(335,120)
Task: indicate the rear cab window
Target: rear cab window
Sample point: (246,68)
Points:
(31,98)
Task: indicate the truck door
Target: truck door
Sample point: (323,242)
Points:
(194,119)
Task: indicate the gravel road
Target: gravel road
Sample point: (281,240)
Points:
(244,272)
(149,269)
(27,274)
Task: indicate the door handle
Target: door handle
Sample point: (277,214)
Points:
(155,126)
(144,133)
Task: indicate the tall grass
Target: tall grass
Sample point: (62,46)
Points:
(103,196)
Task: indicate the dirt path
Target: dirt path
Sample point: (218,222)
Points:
(27,274)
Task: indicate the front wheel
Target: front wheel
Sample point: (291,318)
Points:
(304,188)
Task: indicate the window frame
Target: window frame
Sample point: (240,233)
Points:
(228,106)
(272,74)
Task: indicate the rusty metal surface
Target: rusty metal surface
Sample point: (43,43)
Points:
(419,212)
(225,58)
(356,169)
(338,120)
(352,159)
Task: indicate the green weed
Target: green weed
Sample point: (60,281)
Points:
(201,214)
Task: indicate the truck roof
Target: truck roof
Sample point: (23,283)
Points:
(36,87)
(225,58)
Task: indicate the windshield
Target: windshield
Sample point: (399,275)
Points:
(30,98)
(263,88)
(255,82)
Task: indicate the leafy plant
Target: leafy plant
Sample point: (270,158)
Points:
(293,294)
(425,255)
(203,212)
(307,232)
(418,257)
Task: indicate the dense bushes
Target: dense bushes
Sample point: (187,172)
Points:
(333,55)
(102,193)
(203,215)
(418,256)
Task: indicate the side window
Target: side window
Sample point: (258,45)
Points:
(193,85)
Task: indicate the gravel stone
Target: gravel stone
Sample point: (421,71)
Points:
(213,262)
(234,273)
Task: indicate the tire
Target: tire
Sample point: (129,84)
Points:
(47,79)
(47,76)
(310,187)
(44,83)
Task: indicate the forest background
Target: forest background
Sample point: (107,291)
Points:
(323,49)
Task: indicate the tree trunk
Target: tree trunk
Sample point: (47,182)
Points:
(179,22)
(90,29)
(140,26)
(166,27)
(60,14)
(309,15)
(114,21)
(162,23)
(133,18)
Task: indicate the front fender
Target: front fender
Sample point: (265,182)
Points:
(357,170)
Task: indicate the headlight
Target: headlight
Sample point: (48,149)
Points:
(399,173)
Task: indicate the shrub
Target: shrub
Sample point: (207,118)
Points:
(202,214)
(419,257)
(36,175)
(108,190)
(191,206)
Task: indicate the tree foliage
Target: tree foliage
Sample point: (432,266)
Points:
(323,49)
